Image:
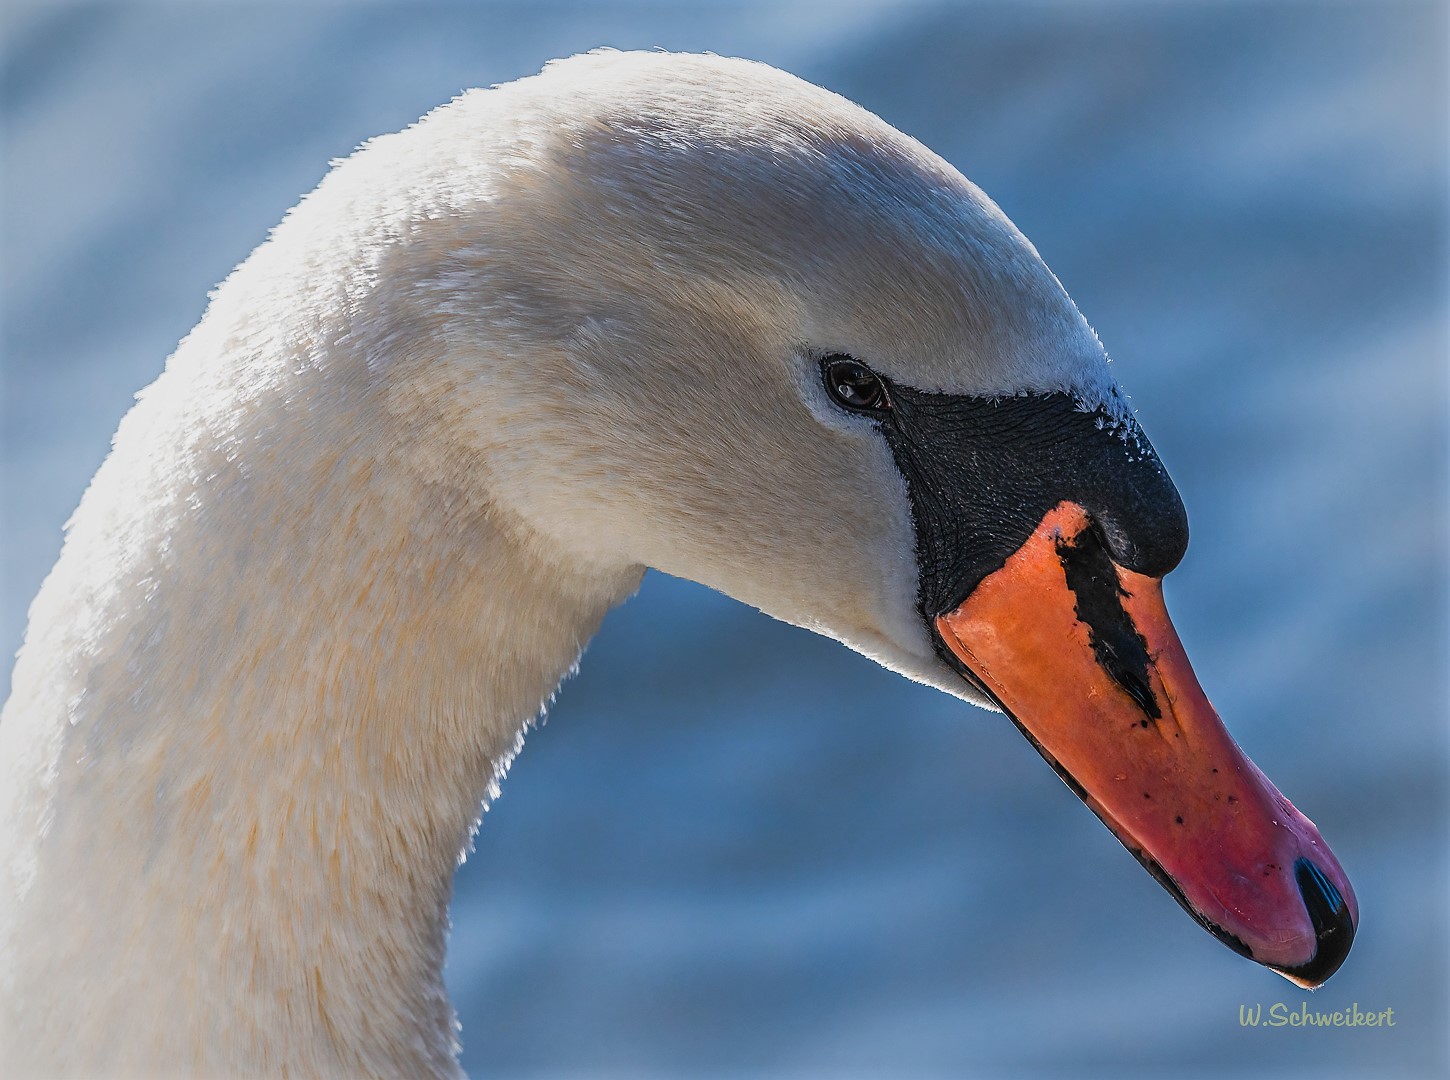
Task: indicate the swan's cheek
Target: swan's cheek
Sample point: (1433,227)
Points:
(815,531)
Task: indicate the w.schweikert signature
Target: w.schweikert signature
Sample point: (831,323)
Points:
(1281,1015)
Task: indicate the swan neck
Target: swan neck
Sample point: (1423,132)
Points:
(279,669)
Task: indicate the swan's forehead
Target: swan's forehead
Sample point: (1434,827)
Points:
(737,173)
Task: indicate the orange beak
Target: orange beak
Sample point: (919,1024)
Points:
(1081,654)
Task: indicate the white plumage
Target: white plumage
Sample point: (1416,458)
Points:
(422,440)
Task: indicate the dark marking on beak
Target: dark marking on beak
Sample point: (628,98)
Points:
(1118,646)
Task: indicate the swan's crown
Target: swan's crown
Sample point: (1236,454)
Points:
(715,175)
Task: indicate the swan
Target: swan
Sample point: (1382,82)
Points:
(638,310)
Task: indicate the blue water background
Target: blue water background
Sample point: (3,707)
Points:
(736,848)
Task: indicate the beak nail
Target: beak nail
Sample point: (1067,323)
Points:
(1333,924)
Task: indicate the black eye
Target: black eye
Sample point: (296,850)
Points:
(854,386)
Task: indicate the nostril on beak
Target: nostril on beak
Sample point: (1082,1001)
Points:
(1333,925)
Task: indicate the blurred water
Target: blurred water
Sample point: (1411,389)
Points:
(737,848)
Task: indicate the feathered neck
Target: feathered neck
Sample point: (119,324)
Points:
(285,655)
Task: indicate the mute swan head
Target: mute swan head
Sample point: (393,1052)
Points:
(663,272)
(641,310)
(698,255)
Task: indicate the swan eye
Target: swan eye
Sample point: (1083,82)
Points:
(854,386)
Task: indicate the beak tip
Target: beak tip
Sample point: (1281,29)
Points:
(1334,926)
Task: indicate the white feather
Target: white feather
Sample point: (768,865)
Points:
(423,439)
